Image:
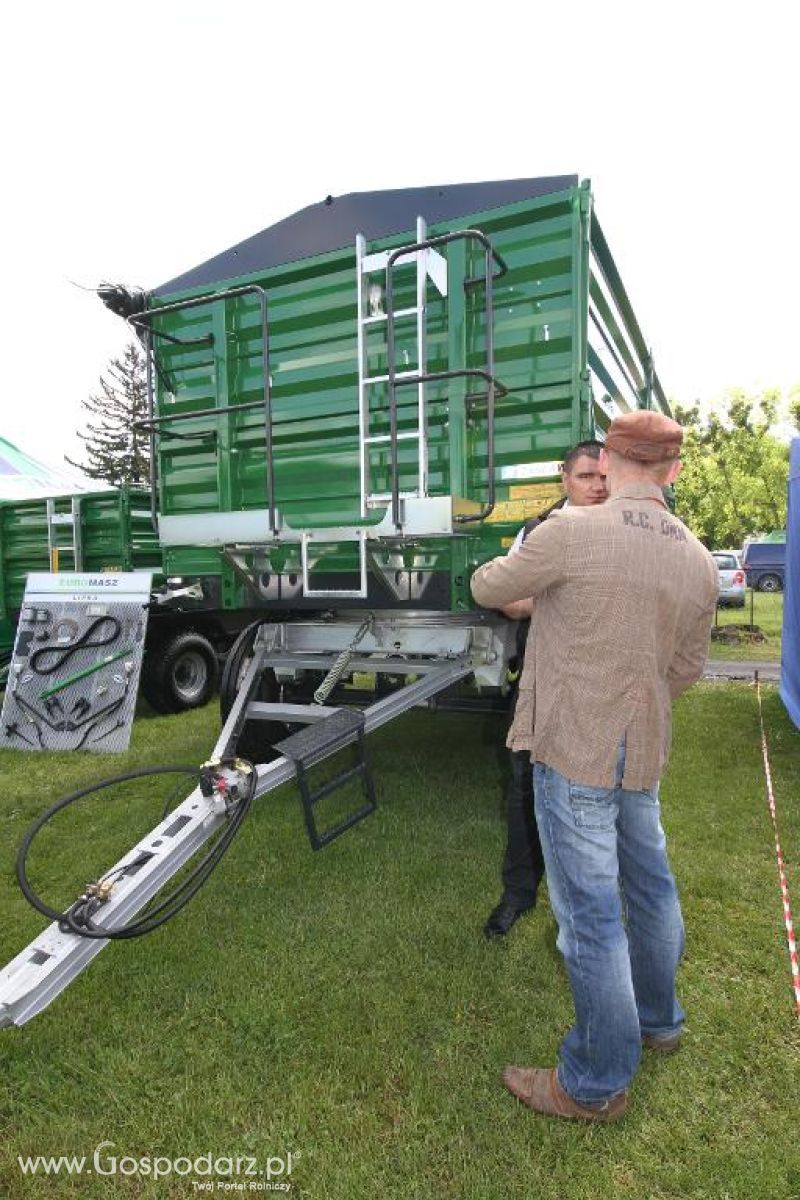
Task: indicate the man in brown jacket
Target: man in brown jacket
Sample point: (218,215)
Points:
(624,599)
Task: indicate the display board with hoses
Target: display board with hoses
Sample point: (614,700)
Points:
(75,667)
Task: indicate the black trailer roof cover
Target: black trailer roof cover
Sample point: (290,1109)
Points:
(336,221)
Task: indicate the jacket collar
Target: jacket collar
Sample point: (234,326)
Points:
(639,491)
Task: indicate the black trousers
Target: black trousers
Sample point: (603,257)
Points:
(523,865)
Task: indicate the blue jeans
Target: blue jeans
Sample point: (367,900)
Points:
(620,928)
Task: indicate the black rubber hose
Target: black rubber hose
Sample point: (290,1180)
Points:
(75,920)
(84,642)
(176,899)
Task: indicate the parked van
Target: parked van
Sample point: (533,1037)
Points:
(764,564)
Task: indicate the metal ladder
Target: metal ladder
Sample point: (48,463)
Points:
(429,264)
(73,519)
(369,268)
(423,253)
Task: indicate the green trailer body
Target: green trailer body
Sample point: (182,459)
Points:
(358,427)
(91,531)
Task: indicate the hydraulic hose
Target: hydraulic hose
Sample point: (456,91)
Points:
(77,918)
(62,654)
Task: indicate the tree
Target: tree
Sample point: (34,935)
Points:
(735,469)
(117,451)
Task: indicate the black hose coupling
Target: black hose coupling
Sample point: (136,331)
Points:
(123,301)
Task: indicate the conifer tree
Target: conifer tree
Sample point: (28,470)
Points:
(117,452)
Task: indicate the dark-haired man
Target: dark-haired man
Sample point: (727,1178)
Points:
(625,597)
(584,483)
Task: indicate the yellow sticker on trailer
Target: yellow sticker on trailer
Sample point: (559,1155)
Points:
(545,493)
(525,501)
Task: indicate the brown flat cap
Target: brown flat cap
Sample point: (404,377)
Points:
(645,436)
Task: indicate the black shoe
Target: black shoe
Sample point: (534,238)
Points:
(503,917)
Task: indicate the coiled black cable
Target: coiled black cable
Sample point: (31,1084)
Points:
(64,653)
(78,917)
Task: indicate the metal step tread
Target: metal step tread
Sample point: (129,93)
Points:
(323,736)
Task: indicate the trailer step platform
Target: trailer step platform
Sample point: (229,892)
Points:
(316,742)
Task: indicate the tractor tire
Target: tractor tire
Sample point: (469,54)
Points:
(179,673)
(256,738)
(770,583)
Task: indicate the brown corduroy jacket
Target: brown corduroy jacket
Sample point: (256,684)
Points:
(624,599)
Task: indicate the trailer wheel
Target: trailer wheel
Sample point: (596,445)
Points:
(769,583)
(256,738)
(179,673)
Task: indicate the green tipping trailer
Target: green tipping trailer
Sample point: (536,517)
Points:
(102,531)
(353,409)
(362,403)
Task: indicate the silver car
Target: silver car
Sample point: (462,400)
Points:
(731,577)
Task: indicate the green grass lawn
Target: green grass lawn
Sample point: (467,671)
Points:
(767,614)
(344,1006)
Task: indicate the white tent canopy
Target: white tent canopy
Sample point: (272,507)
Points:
(25,478)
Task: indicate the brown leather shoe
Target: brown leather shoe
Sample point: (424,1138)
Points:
(666,1045)
(538,1087)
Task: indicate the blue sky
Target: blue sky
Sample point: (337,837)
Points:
(141,140)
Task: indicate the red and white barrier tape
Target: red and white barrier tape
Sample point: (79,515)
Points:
(787,911)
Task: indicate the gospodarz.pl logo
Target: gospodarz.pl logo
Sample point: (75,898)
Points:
(207,1172)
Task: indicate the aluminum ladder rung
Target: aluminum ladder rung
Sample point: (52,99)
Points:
(386,378)
(410,435)
(383,497)
(371,264)
(400,312)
